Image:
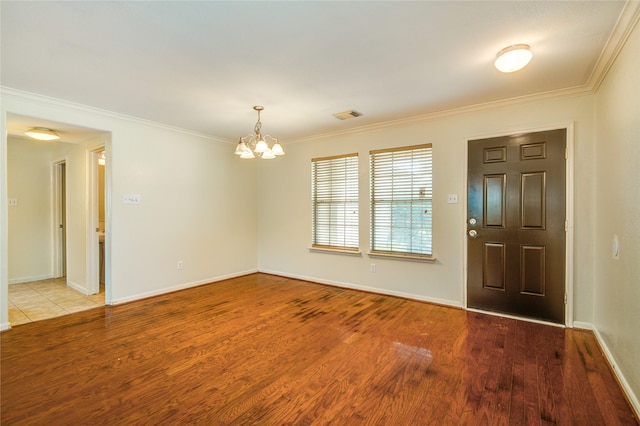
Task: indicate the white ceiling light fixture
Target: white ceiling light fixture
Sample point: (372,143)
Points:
(513,58)
(253,145)
(42,134)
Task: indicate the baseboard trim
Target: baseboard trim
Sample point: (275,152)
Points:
(5,326)
(77,287)
(626,388)
(376,290)
(178,287)
(583,325)
(29,279)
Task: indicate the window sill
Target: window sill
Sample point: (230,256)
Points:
(335,251)
(398,256)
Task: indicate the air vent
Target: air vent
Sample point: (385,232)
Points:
(346,115)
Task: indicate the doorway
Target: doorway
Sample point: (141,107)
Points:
(53,219)
(60,220)
(516,225)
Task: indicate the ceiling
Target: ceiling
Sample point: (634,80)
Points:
(203,65)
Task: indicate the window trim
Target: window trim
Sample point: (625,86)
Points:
(399,256)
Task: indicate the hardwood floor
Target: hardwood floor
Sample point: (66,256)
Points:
(268,350)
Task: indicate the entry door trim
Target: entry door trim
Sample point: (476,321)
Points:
(569,193)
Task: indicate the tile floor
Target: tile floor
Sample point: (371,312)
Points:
(38,300)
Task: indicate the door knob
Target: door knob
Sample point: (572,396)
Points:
(473,233)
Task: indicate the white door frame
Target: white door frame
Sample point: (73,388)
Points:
(92,221)
(569,194)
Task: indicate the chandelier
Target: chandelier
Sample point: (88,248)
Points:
(253,145)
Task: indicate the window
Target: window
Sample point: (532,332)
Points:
(334,189)
(401,197)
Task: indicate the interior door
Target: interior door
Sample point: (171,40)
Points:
(516,225)
(60,220)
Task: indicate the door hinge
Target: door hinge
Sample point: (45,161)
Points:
(566,153)
(566,226)
(565,298)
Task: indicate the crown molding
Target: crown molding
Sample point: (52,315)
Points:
(9,91)
(417,119)
(627,21)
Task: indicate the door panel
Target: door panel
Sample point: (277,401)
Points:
(516,225)
(495,200)
(494,266)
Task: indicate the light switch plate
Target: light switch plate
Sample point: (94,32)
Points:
(131,199)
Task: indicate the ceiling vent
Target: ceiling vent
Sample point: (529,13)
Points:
(346,115)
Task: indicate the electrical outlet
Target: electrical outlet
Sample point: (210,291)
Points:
(372,267)
(12,202)
(180,264)
(452,198)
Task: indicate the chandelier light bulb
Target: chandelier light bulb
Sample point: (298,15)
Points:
(247,154)
(277,148)
(241,147)
(261,146)
(268,155)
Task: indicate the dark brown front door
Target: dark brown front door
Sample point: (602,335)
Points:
(516,225)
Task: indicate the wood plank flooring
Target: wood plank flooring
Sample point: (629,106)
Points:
(268,350)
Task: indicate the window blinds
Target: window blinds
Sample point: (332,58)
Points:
(335,202)
(401,200)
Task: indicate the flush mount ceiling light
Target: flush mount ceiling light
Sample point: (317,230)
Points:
(42,134)
(253,145)
(513,58)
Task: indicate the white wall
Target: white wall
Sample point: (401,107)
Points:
(198,202)
(617,189)
(285,204)
(198,206)
(30,233)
